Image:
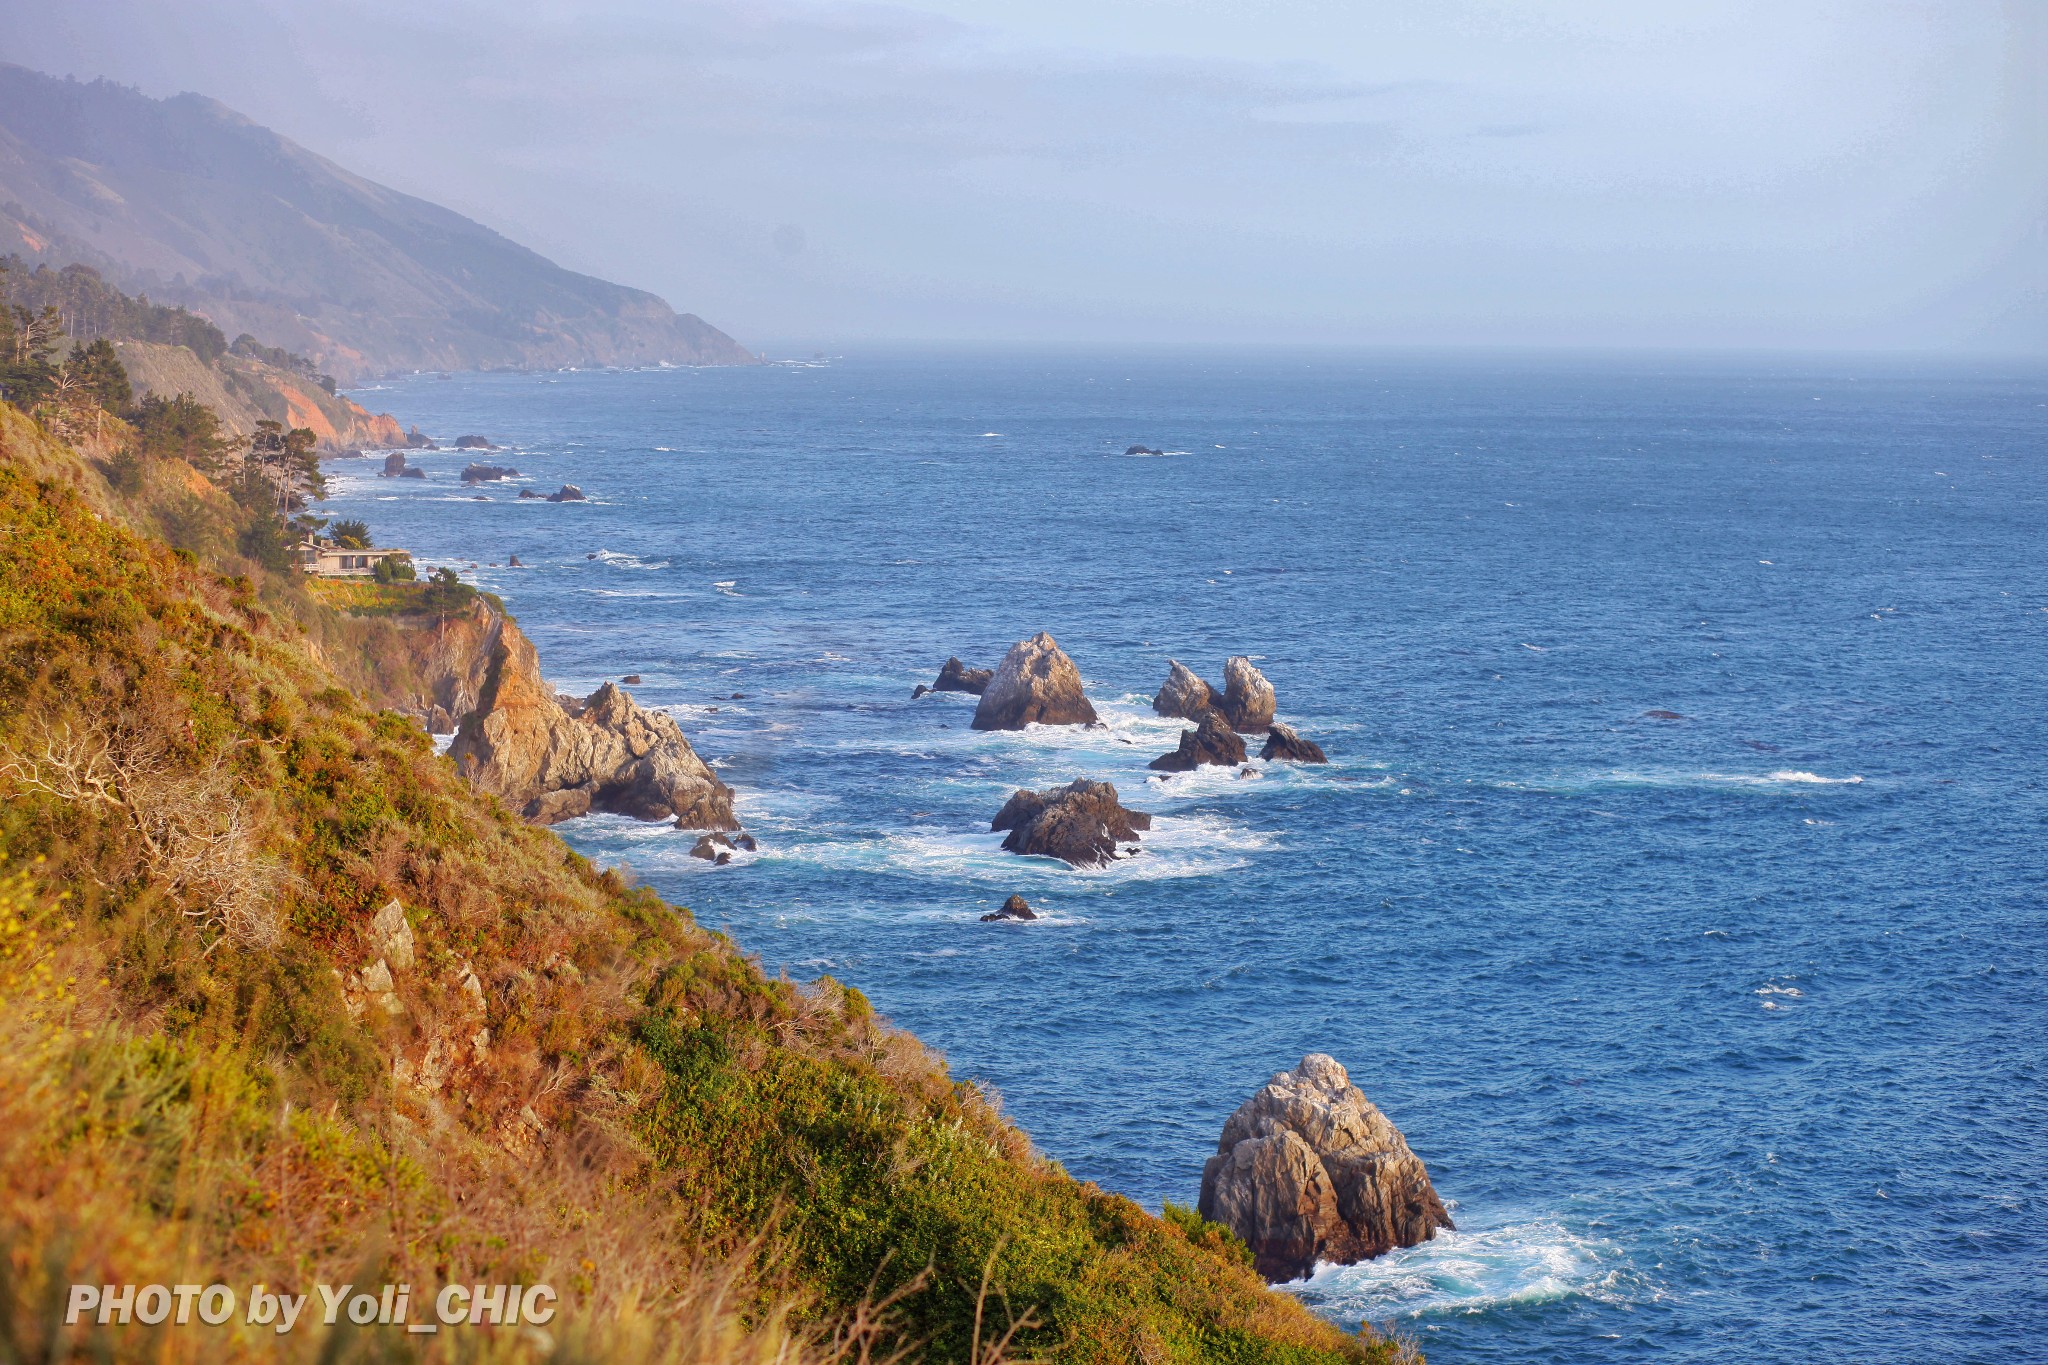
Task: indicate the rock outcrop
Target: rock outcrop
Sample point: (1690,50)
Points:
(1283,745)
(1035,684)
(1309,1170)
(394,464)
(473,443)
(1081,823)
(1247,697)
(552,762)
(1213,741)
(957,677)
(1183,693)
(569,493)
(1016,907)
(487,473)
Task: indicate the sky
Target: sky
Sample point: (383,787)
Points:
(1698,174)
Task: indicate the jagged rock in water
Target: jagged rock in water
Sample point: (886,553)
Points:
(1285,746)
(957,677)
(1036,683)
(513,562)
(1014,908)
(1142,450)
(570,493)
(631,680)
(1183,693)
(416,439)
(473,443)
(712,848)
(487,473)
(1213,741)
(412,472)
(1247,697)
(1309,1170)
(394,464)
(1080,823)
(553,762)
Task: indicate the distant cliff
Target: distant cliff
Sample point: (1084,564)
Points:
(168,351)
(191,203)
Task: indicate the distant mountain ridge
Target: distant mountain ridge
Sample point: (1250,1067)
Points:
(191,203)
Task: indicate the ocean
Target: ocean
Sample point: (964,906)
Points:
(1722,1036)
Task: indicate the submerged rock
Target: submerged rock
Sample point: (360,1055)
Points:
(1035,684)
(1142,450)
(1247,697)
(1081,823)
(1283,745)
(1212,741)
(1183,693)
(1309,1170)
(955,676)
(1013,908)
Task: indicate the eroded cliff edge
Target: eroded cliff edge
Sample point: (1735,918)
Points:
(549,757)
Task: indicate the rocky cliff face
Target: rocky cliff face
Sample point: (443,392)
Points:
(552,762)
(1309,1170)
(244,392)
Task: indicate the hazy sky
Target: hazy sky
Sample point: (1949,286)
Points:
(1584,172)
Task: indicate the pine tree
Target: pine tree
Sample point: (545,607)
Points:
(99,372)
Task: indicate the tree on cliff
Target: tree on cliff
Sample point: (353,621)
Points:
(180,428)
(99,375)
(284,461)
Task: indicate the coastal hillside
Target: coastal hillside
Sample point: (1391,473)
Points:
(284,1000)
(167,352)
(191,203)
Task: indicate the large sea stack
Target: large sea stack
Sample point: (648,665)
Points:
(1036,683)
(1309,1170)
(1183,693)
(1081,823)
(1247,697)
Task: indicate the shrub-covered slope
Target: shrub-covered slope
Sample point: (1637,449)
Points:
(224,1056)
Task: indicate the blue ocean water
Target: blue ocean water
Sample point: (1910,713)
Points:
(1722,1036)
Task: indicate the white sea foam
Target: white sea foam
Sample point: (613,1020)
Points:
(619,559)
(1795,775)
(1469,1272)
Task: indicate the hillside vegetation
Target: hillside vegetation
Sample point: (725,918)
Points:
(167,352)
(282,1000)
